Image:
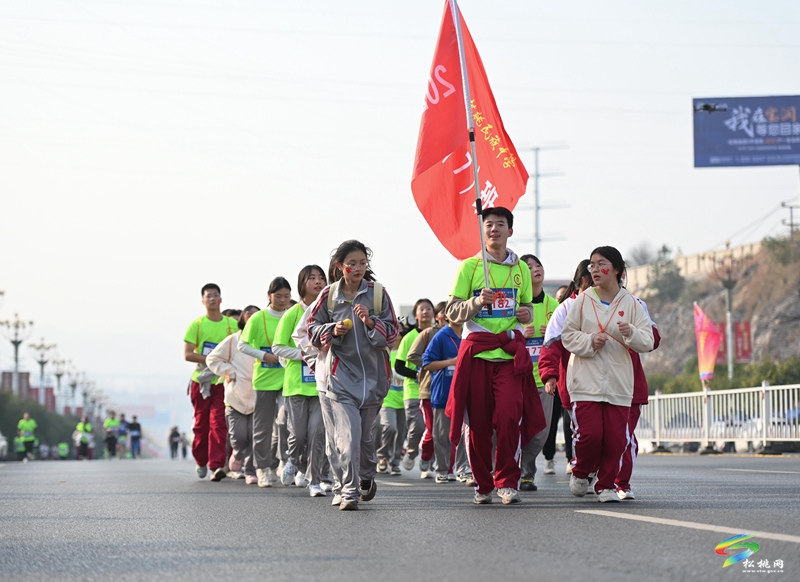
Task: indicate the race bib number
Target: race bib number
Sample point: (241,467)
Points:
(308,375)
(208,347)
(135,434)
(27,433)
(534,345)
(266,365)
(449,371)
(504,305)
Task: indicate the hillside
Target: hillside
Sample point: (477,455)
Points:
(768,295)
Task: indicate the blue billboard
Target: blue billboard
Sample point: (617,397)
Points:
(746,131)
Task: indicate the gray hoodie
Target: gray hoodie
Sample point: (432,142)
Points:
(358,369)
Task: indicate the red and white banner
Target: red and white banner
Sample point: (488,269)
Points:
(443,181)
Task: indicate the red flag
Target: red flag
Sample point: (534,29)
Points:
(443,181)
(708,340)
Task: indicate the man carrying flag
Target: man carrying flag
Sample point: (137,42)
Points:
(493,387)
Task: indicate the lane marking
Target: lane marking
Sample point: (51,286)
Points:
(390,484)
(693,525)
(760,471)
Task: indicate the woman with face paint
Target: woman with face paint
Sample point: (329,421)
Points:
(603,324)
(355,320)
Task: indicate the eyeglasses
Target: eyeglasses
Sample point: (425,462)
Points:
(355,267)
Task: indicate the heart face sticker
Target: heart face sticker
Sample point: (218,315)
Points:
(605,271)
(348,270)
(621,313)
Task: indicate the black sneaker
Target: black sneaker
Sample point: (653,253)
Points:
(368,489)
(528,485)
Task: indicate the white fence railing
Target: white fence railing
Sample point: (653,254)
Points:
(757,415)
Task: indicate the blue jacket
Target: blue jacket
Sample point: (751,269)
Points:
(443,346)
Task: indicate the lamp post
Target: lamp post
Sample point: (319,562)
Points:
(41,352)
(73,385)
(16,332)
(59,369)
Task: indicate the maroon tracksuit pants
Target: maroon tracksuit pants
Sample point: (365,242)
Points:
(210,429)
(623,480)
(599,441)
(494,405)
(426,447)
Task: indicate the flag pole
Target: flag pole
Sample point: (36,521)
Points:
(471,128)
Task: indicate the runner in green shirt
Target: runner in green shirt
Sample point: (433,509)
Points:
(26,428)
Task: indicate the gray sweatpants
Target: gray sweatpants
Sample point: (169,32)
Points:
(330,442)
(280,436)
(415,423)
(530,451)
(355,446)
(240,433)
(391,432)
(306,436)
(443,448)
(263,422)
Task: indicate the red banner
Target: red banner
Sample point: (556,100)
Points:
(742,343)
(443,181)
(708,341)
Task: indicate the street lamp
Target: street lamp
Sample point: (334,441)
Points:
(16,332)
(59,369)
(74,378)
(41,352)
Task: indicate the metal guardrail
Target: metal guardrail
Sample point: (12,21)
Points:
(758,415)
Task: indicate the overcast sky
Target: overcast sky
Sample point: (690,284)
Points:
(147,148)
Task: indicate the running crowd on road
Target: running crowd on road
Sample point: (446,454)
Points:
(333,389)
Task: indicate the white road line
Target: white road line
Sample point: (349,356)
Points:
(390,484)
(760,471)
(693,525)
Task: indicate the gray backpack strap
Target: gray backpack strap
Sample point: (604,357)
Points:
(377,300)
(334,289)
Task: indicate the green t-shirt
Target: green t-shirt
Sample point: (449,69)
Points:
(259,333)
(84,427)
(19,444)
(63,449)
(410,387)
(542,312)
(112,424)
(26,427)
(206,334)
(297,379)
(394,399)
(511,285)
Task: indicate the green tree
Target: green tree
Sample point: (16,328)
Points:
(665,276)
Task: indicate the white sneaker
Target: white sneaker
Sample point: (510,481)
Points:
(607,495)
(337,500)
(624,494)
(482,498)
(201,471)
(508,495)
(578,487)
(289,472)
(408,463)
(569,469)
(425,474)
(272,477)
(315,491)
(300,479)
(452,477)
(263,479)
(326,487)
(550,467)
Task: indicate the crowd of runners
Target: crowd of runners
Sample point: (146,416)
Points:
(328,391)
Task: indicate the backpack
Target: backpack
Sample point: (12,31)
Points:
(377,306)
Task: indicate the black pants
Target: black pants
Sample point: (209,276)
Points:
(173,449)
(549,449)
(111,447)
(83,450)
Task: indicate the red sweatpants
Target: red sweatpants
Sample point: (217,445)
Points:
(210,429)
(623,480)
(599,441)
(494,405)
(427,437)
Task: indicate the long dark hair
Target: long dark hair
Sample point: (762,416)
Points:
(243,314)
(305,275)
(277,284)
(614,257)
(577,280)
(339,255)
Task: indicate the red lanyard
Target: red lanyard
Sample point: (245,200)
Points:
(602,328)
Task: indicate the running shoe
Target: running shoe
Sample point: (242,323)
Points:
(482,498)
(300,479)
(578,487)
(470,482)
(569,469)
(250,480)
(550,467)
(337,500)
(424,465)
(234,464)
(383,467)
(326,486)
(368,489)
(395,471)
(219,474)
(528,485)
(408,463)
(262,478)
(289,472)
(201,472)
(348,505)
(508,495)
(315,491)
(624,494)
(272,477)
(441,478)
(235,475)
(452,477)
(461,477)
(425,474)
(607,495)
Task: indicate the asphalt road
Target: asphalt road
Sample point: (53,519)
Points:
(150,520)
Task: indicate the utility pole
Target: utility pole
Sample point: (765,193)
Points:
(537,207)
(41,350)
(16,332)
(791,224)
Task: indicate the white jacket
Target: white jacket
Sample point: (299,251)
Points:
(236,369)
(604,375)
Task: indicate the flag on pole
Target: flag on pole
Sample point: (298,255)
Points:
(443,182)
(708,341)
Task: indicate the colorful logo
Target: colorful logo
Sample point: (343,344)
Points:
(737,549)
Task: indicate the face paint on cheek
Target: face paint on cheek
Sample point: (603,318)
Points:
(348,270)
(604,271)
